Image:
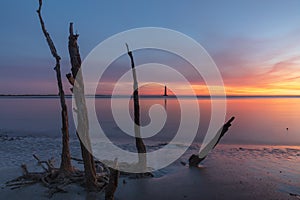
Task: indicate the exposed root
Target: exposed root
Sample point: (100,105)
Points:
(55,179)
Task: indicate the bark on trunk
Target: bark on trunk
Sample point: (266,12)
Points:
(65,155)
(82,115)
(141,148)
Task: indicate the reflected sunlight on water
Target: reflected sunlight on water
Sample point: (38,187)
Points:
(271,121)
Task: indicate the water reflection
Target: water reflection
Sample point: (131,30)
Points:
(258,120)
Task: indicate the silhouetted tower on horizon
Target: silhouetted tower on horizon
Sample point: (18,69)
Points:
(165,94)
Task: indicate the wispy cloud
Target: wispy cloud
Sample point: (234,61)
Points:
(264,66)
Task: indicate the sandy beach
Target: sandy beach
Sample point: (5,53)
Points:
(230,172)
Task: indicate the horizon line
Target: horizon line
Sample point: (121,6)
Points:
(154,96)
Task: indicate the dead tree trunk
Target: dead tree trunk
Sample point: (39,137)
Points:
(194,160)
(65,155)
(82,115)
(141,148)
(113,182)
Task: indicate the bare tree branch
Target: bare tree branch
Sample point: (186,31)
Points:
(65,156)
(141,148)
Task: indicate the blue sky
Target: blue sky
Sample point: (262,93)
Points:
(244,37)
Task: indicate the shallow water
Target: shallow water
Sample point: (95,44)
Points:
(273,121)
(258,142)
(278,165)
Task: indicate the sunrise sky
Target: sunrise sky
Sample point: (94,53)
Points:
(255,44)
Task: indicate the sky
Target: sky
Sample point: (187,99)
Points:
(255,44)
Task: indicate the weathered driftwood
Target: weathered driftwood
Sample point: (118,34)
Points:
(141,148)
(57,178)
(53,179)
(65,156)
(82,115)
(113,182)
(194,160)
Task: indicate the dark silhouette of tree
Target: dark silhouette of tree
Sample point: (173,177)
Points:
(65,155)
(194,160)
(141,148)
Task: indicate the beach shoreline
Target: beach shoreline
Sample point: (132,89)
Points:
(229,172)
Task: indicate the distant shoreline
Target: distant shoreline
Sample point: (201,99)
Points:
(149,96)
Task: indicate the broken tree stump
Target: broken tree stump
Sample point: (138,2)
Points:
(194,160)
(76,80)
(141,148)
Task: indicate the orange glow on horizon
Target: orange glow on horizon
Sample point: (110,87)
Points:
(281,78)
(201,89)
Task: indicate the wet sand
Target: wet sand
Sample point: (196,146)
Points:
(229,172)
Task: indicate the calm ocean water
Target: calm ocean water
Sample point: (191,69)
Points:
(273,121)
